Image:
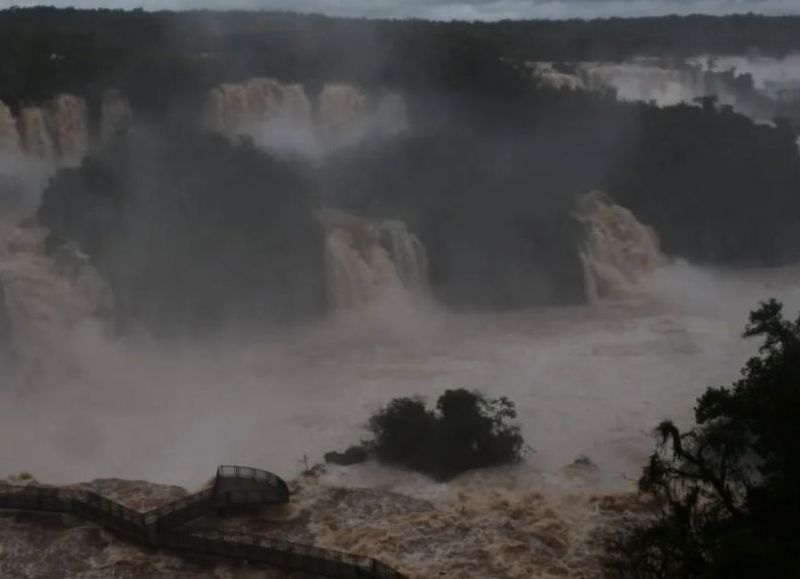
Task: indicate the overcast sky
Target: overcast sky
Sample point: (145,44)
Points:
(455,9)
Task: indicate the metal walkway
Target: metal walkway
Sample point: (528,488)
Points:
(234,486)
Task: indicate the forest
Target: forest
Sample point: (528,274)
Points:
(55,50)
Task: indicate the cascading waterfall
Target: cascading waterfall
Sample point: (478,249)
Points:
(9,134)
(226,109)
(281,117)
(233,109)
(56,134)
(339,108)
(36,139)
(268,98)
(547,76)
(617,251)
(46,299)
(68,121)
(407,253)
(638,80)
(117,115)
(368,259)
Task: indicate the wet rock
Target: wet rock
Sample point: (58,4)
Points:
(351,456)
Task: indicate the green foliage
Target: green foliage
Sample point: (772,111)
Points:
(466,431)
(193,233)
(729,489)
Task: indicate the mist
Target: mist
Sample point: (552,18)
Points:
(138,409)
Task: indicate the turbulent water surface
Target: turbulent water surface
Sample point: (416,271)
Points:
(588,381)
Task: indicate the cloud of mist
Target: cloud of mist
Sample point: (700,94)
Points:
(586,381)
(454,9)
(284,136)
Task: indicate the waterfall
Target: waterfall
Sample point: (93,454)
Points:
(9,135)
(46,298)
(281,117)
(36,138)
(57,133)
(407,253)
(233,109)
(636,80)
(390,114)
(339,107)
(547,76)
(648,80)
(368,259)
(69,126)
(227,108)
(617,250)
(117,115)
(268,99)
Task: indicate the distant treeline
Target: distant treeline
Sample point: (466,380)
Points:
(160,58)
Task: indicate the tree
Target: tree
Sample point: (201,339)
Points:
(729,489)
(465,432)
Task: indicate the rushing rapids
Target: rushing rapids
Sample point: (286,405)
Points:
(617,251)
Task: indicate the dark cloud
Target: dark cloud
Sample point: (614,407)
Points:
(455,9)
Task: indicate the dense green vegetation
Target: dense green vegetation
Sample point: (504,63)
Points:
(466,431)
(193,233)
(160,57)
(729,489)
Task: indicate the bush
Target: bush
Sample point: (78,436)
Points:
(466,431)
(729,490)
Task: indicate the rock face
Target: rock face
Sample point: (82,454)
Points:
(617,251)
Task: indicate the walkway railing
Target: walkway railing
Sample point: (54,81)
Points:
(233,486)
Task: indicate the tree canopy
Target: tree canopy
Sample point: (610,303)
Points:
(729,489)
(465,431)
